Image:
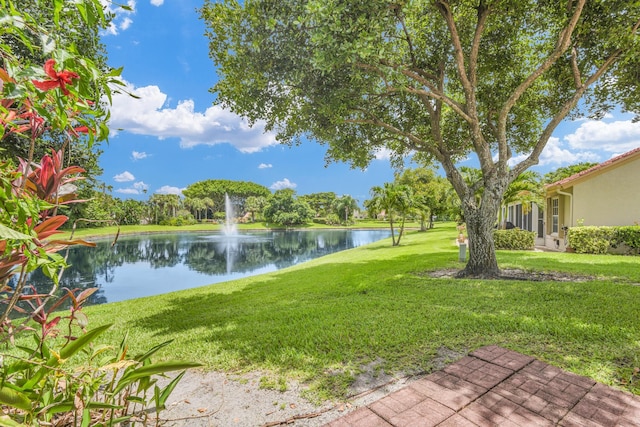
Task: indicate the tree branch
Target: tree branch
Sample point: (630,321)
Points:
(483,13)
(532,159)
(468,81)
(564,41)
(577,78)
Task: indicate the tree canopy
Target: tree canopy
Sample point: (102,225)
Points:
(215,189)
(566,172)
(436,79)
(286,209)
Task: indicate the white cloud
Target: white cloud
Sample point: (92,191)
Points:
(140,186)
(383,154)
(265,166)
(616,137)
(281,185)
(126,23)
(137,188)
(121,16)
(167,189)
(139,155)
(157,2)
(149,115)
(127,191)
(125,176)
(555,154)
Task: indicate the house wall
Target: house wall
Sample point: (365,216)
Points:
(611,198)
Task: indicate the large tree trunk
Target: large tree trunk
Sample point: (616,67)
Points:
(482,255)
(481,219)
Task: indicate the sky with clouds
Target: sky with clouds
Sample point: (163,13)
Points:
(171,135)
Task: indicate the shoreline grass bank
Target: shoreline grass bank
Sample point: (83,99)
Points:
(322,321)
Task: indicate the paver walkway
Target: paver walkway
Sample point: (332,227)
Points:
(494,386)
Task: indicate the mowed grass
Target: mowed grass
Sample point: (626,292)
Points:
(320,322)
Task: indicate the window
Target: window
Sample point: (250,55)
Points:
(555,210)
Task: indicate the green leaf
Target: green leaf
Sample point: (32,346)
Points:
(151,352)
(153,369)
(161,396)
(74,346)
(7,233)
(5,421)
(14,398)
(69,406)
(67,351)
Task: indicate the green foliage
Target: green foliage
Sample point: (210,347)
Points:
(396,200)
(321,203)
(436,80)
(164,207)
(183,217)
(100,387)
(322,321)
(104,207)
(215,190)
(629,236)
(255,205)
(600,240)
(591,239)
(285,209)
(566,171)
(430,194)
(344,207)
(514,239)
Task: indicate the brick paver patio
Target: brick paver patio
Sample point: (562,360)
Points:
(494,386)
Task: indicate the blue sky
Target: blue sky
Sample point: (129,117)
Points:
(173,136)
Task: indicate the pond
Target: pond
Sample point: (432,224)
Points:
(144,265)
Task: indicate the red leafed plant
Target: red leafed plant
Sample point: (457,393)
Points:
(64,379)
(31,197)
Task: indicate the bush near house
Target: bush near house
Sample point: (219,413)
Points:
(601,240)
(514,239)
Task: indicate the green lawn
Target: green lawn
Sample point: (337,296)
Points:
(321,321)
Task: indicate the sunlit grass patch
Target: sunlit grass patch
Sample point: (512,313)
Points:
(320,322)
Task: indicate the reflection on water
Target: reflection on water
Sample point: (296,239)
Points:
(139,266)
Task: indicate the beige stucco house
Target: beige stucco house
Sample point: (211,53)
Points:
(606,194)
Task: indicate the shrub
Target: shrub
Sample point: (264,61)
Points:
(40,382)
(514,239)
(332,219)
(628,236)
(590,240)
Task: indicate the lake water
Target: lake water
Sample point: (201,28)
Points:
(144,265)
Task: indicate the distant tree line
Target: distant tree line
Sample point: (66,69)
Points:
(417,195)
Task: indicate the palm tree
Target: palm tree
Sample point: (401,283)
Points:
(209,204)
(196,205)
(525,189)
(395,199)
(345,206)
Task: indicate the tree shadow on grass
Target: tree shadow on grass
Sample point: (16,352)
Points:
(329,319)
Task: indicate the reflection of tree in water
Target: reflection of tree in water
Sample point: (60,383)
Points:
(243,254)
(162,253)
(90,267)
(210,255)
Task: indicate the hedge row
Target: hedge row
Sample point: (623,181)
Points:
(602,240)
(514,239)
